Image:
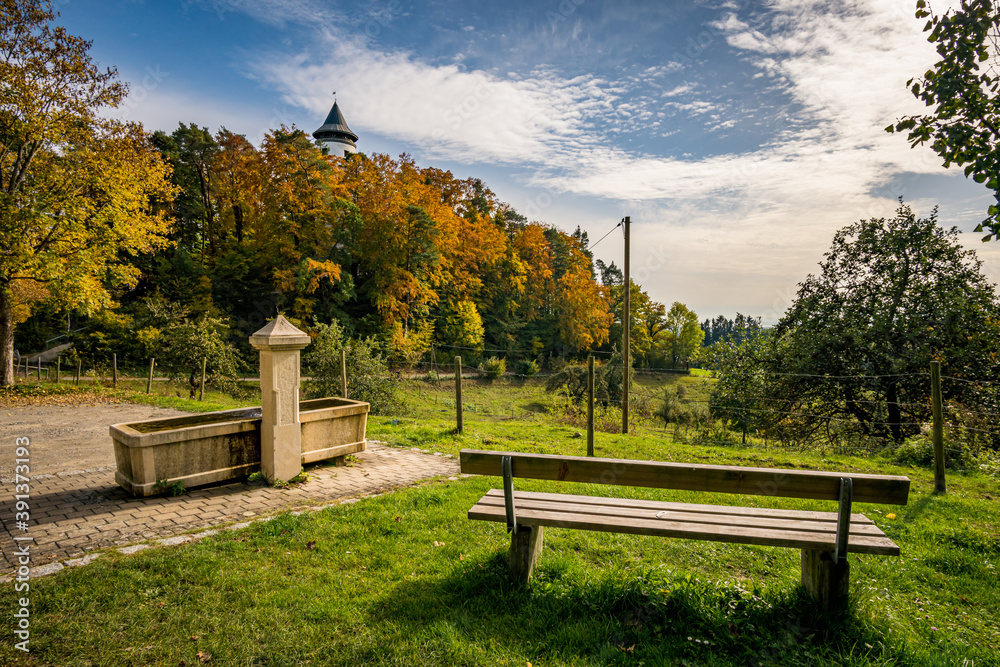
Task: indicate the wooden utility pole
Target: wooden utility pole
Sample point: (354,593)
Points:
(458,392)
(149,381)
(937,433)
(626,326)
(590,405)
(343,373)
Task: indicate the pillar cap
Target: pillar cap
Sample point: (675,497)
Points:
(279,334)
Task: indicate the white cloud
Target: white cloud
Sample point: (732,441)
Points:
(761,218)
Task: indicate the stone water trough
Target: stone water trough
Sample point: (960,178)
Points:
(218,446)
(277,438)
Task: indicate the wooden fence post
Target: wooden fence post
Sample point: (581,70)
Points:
(114,370)
(201,394)
(937,433)
(590,405)
(343,373)
(39,367)
(149,381)
(458,392)
(79,363)
(58,369)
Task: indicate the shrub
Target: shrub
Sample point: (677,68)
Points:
(919,451)
(607,381)
(182,346)
(528,368)
(368,376)
(674,410)
(494,368)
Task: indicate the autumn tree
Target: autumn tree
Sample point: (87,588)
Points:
(77,191)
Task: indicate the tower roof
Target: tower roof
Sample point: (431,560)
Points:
(335,128)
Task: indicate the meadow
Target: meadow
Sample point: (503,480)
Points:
(404,578)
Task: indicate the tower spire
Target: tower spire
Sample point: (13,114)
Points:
(336,136)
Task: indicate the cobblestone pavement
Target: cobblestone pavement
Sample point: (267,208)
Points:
(78,512)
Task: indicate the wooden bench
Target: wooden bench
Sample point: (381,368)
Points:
(825,538)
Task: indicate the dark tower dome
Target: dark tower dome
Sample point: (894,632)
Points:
(335,133)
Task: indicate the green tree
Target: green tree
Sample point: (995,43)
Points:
(75,187)
(964,86)
(368,376)
(683,334)
(183,345)
(855,346)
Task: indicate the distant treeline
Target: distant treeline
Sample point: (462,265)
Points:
(741,328)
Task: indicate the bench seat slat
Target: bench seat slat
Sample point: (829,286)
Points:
(736,532)
(678,514)
(685,507)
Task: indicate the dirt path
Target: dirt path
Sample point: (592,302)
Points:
(67,438)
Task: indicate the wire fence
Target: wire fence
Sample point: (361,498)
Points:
(795,424)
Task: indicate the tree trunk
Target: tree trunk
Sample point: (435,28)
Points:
(238,220)
(6,338)
(894,413)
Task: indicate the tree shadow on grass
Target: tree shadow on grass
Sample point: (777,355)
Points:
(625,615)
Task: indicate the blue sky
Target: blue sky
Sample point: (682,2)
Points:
(738,136)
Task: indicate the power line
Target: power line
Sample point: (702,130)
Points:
(594,245)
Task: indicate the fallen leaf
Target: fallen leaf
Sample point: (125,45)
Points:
(399,518)
(438,544)
(461,557)
(194,637)
(310,545)
(204,657)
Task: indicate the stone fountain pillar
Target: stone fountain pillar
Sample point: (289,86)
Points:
(279,343)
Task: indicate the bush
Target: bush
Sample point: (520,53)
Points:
(368,376)
(181,347)
(919,451)
(607,381)
(494,368)
(674,410)
(528,368)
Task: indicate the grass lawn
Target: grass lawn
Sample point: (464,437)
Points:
(405,579)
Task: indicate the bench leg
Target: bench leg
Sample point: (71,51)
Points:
(825,581)
(525,548)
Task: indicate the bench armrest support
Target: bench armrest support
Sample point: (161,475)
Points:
(508,494)
(843,519)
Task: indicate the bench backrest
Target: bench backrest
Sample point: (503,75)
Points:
(890,489)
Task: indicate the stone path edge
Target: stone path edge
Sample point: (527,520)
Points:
(185,538)
(378,458)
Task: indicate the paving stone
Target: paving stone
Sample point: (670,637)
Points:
(86,509)
(45,570)
(86,560)
(133,549)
